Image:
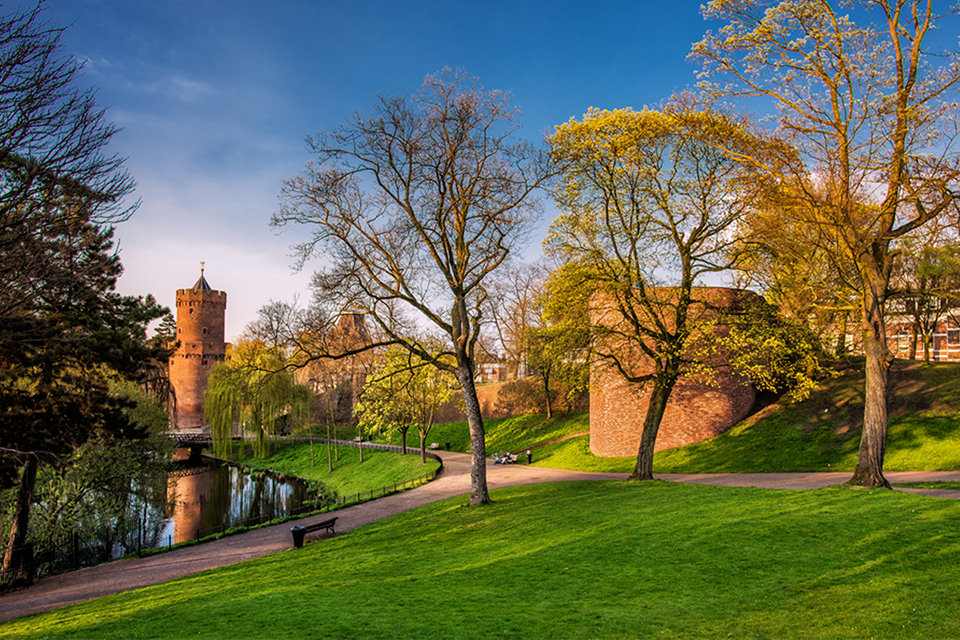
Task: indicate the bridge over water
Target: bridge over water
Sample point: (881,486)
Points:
(193,439)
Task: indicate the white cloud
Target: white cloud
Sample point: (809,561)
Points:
(180,88)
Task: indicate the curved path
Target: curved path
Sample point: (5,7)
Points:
(64,589)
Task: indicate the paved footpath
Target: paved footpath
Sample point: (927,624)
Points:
(57,591)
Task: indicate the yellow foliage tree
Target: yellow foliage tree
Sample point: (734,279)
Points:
(867,109)
(649,200)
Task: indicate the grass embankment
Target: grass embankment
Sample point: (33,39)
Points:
(510,434)
(821,433)
(570,560)
(349,476)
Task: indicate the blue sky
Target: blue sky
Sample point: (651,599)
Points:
(215,100)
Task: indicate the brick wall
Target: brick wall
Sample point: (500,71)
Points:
(200,330)
(696,410)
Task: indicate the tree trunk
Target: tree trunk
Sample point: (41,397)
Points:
(873,441)
(841,349)
(403,441)
(423,448)
(914,332)
(14,558)
(651,425)
(478,447)
(545,376)
(329,457)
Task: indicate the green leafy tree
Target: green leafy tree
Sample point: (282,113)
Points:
(869,111)
(538,347)
(405,392)
(116,488)
(926,279)
(806,282)
(63,330)
(166,331)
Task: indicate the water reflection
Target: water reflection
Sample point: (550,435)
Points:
(195,500)
(207,499)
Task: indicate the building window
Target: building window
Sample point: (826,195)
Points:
(204,331)
(903,341)
(204,363)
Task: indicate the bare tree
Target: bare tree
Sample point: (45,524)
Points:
(514,309)
(55,175)
(414,207)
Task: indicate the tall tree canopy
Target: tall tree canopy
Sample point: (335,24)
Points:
(868,109)
(414,207)
(64,332)
(648,203)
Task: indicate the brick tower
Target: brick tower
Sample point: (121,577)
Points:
(200,321)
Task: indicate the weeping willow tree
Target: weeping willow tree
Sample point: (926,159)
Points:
(252,396)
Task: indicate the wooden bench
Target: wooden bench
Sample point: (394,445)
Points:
(300,532)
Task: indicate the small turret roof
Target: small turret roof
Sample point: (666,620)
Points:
(202,285)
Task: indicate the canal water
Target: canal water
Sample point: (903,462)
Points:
(200,499)
(213,497)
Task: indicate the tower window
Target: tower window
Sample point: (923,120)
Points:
(204,363)
(191,312)
(204,331)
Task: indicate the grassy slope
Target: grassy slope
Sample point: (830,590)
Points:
(820,434)
(823,432)
(640,560)
(349,476)
(653,560)
(511,434)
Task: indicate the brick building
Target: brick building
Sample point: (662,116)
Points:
(696,410)
(200,331)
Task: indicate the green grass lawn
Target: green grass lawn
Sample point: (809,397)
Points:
(579,560)
(942,486)
(349,476)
